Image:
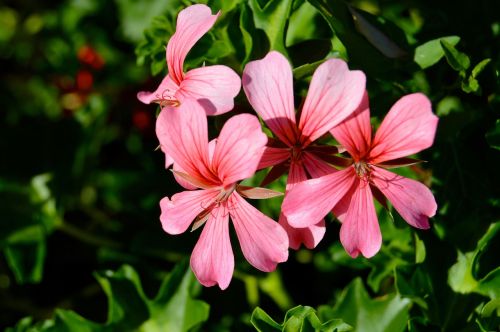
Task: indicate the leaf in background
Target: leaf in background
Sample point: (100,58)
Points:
(136,16)
(431,52)
(489,316)
(493,136)
(415,283)
(356,308)
(224,6)
(298,319)
(28,214)
(361,52)
(458,61)
(67,320)
(263,322)
(471,84)
(174,308)
(302,25)
(371,28)
(420,251)
(462,276)
(273,19)
(306,70)
(26,260)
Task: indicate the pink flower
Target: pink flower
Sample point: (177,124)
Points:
(334,94)
(215,168)
(408,128)
(213,86)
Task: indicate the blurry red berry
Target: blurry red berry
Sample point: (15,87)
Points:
(89,56)
(141,119)
(84,80)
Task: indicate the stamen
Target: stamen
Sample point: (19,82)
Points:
(363,170)
(166,99)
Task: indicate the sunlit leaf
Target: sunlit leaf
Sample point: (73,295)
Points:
(272,18)
(298,319)
(462,276)
(431,52)
(357,308)
(458,61)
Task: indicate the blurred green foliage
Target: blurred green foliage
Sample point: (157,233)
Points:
(80,180)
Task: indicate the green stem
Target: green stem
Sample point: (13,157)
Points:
(87,237)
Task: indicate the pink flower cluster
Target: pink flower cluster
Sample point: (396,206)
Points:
(320,178)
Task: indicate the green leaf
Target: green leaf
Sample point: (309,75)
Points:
(26,260)
(415,283)
(356,308)
(306,70)
(493,136)
(69,321)
(361,52)
(462,276)
(126,300)
(135,16)
(273,19)
(174,308)
(471,84)
(298,319)
(431,52)
(263,322)
(458,61)
(300,27)
(28,215)
(420,252)
(480,67)
(489,316)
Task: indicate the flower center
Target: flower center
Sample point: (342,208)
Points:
(363,169)
(223,196)
(296,152)
(225,193)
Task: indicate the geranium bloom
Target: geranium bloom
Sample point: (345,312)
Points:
(213,86)
(215,168)
(334,94)
(408,128)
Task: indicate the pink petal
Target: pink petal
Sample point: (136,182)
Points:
(355,132)
(268,84)
(212,260)
(311,200)
(178,213)
(340,209)
(413,201)
(360,232)
(310,236)
(273,156)
(160,127)
(213,86)
(239,148)
(263,241)
(165,91)
(192,23)
(168,159)
(185,184)
(316,166)
(408,128)
(335,92)
(182,131)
